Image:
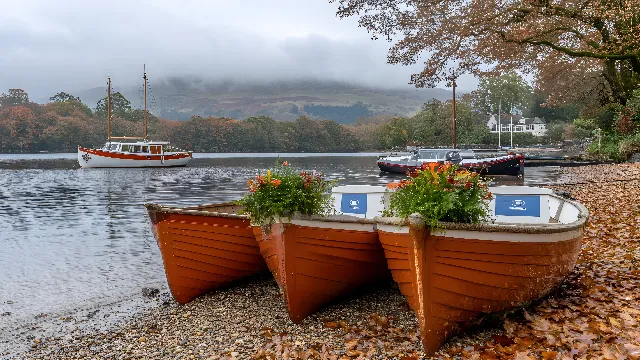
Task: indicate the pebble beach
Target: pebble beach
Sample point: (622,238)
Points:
(594,314)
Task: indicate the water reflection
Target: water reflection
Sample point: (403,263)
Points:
(75,237)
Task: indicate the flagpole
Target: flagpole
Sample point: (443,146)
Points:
(511,129)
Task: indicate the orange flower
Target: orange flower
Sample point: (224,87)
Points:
(488,195)
(393,185)
(276,182)
(286,163)
(261,179)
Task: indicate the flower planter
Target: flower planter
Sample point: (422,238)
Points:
(452,276)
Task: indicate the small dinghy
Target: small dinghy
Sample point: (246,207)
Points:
(454,275)
(316,260)
(204,247)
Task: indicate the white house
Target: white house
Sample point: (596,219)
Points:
(534,126)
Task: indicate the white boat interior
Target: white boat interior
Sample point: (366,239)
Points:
(525,205)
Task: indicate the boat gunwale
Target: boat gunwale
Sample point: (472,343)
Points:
(547,228)
(193,210)
(339,218)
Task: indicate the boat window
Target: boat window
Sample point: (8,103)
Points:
(125,148)
(114,147)
(145,149)
(429,155)
(135,148)
(453,156)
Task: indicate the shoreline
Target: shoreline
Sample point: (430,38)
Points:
(19,334)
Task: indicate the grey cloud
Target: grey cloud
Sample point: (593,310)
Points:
(49,46)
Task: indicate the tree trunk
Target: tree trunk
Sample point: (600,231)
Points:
(612,75)
(635,65)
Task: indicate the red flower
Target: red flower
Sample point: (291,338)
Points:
(286,163)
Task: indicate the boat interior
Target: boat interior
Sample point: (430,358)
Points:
(555,209)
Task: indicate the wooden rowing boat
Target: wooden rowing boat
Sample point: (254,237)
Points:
(316,260)
(204,247)
(451,277)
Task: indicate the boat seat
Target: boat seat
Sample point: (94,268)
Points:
(521,204)
(363,201)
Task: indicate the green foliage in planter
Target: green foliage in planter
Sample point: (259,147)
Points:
(282,192)
(441,193)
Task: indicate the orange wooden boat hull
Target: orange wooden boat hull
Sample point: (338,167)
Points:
(316,262)
(204,248)
(453,277)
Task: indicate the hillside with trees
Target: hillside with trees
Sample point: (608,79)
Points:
(66,122)
(182,98)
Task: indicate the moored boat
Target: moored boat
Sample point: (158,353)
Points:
(204,247)
(510,164)
(451,276)
(316,260)
(132,151)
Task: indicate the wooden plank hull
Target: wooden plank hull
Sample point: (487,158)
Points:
(203,250)
(453,277)
(317,262)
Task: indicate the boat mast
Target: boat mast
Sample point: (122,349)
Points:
(454,112)
(144,67)
(109,109)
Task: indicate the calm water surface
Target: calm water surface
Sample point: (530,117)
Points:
(73,238)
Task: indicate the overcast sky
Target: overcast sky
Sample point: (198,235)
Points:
(48,46)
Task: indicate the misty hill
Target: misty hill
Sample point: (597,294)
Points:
(181,98)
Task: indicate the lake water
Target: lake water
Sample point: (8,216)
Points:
(75,238)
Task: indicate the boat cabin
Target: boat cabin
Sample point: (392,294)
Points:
(155,147)
(436,155)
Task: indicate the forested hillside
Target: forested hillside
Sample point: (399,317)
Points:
(180,99)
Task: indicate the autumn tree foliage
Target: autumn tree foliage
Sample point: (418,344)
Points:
(597,40)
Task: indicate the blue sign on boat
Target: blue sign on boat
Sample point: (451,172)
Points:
(518,205)
(354,204)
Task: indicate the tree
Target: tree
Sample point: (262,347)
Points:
(14,97)
(64,97)
(564,113)
(120,106)
(508,34)
(509,88)
(64,104)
